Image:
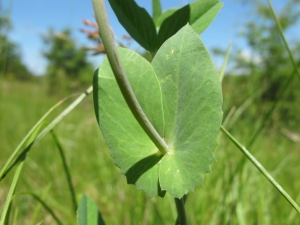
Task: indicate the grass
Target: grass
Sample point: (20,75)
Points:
(249,200)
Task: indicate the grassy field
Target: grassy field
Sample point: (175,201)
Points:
(227,197)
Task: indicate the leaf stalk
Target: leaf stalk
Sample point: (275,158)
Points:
(121,78)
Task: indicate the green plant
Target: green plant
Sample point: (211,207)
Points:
(170,72)
(149,113)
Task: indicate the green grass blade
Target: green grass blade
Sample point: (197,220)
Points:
(284,39)
(64,113)
(27,139)
(222,72)
(11,162)
(21,158)
(44,204)
(261,169)
(66,170)
(38,207)
(30,138)
(11,193)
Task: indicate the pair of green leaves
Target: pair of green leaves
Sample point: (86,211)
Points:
(181,95)
(139,24)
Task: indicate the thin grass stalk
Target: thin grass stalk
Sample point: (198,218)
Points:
(11,193)
(121,78)
(44,204)
(10,164)
(16,214)
(38,208)
(283,38)
(222,72)
(243,161)
(8,215)
(26,138)
(31,134)
(54,122)
(261,169)
(67,172)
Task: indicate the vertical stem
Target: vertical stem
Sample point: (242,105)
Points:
(181,211)
(121,78)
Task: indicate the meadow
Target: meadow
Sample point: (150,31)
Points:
(232,194)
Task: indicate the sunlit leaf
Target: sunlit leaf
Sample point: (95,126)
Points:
(198,14)
(156,9)
(181,95)
(131,148)
(137,22)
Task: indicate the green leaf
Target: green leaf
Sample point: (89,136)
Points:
(198,14)
(163,16)
(88,213)
(156,9)
(133,151)
(203,14)
(192,105)
(181,95)
(137,22)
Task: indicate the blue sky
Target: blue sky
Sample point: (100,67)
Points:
(32,18)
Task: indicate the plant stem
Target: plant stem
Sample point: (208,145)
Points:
(121,78)
(181,211)
(262,169)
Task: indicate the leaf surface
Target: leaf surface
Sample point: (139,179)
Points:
(133,151)
(163,16)
(198,14)
(181,95)
(192,101)
(88,213)
(137,22)
(156,9)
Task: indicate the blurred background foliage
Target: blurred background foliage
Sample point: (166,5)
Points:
(264,71)
(11,66)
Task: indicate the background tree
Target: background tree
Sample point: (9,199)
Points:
(11,65)
(67,63)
